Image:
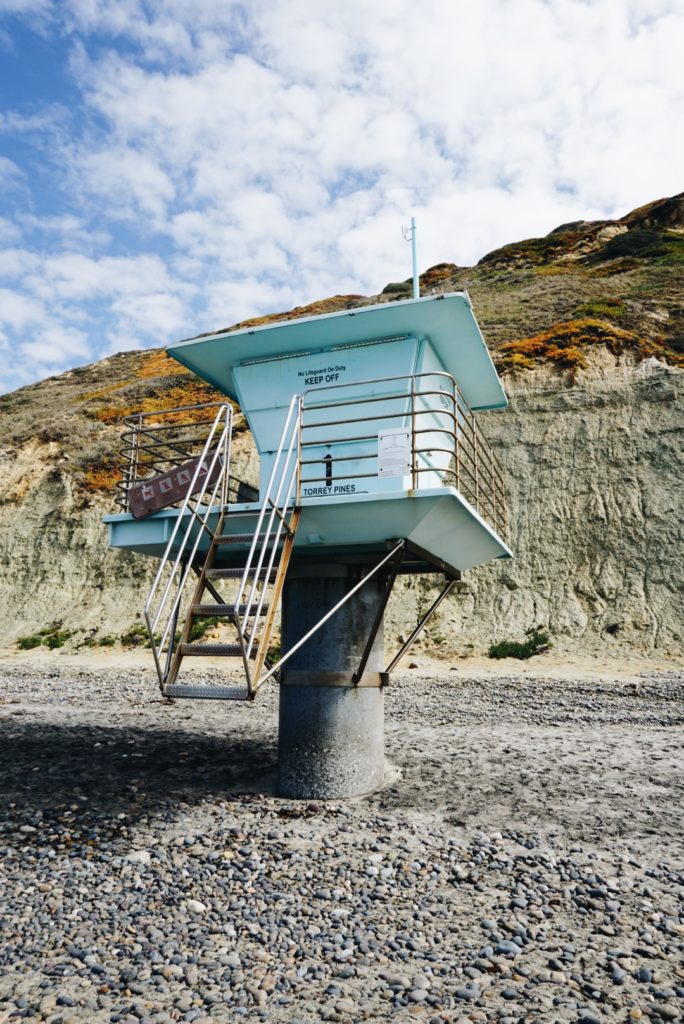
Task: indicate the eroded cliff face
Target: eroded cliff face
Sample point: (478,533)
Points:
(55,564)
(594,475)
(594,478)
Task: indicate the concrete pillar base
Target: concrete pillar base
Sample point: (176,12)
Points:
(331,739)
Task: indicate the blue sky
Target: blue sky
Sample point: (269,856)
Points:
(172,167)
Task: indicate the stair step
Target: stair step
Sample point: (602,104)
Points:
(247,538)
(226,609)
(236,574)
(211,650)
(206,692)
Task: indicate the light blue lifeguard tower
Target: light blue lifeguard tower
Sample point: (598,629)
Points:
(371,464)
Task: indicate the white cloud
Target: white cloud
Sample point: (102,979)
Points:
(120,341)
(19,311)
(433,102)
(125,182)
(10,174)
(25,6)
(16,263)
(9,232)
(160,315)
(68,230)
(234,159)
(49,118)
(51,345)
(74,276)
(230,301)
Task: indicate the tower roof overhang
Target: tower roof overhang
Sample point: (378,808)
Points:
(447,321)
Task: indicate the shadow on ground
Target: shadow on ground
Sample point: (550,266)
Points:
(131,771)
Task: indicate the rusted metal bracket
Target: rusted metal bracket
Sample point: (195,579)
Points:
(446,589)
(379,615)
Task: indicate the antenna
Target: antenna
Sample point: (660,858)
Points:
(410,235)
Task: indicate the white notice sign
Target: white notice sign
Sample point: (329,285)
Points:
(394,453)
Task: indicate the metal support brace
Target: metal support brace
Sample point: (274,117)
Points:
(422,624)
(300,643)
(377,622)
(219,598)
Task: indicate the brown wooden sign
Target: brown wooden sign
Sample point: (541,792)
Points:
(168,488)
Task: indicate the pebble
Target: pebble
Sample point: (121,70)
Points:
(418,995)
(667,1011)
(140,857)
(259,908)
(196,906)
(467,994)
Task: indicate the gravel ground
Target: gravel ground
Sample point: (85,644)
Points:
(524,865)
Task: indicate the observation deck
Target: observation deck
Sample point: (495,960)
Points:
(368,413)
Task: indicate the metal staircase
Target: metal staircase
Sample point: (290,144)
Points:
(240,579)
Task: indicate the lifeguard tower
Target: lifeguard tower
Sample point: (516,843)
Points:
(372,464)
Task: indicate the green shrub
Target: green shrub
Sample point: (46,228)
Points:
(674,249)
(396,286)
(641,243)
(26,643)
(106,641)
(58,638)
(201,625)
(274,652)
(606,307)
(537,642)
(49,636)
(135,636)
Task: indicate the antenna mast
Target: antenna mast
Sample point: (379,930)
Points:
(411,235)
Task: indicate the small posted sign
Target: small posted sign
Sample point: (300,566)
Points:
(394,453)
(168,488)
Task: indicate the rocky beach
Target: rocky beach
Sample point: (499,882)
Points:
(523,862)
(251,436)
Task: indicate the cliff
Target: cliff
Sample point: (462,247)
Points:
(587,326)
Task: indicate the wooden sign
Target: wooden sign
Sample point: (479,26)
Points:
(168,488)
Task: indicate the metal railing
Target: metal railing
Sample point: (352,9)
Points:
(156,442)
(277,523)
(206,491)
(447,448)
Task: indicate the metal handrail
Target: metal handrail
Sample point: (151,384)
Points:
(216,452)
(473,465)
(150,447)
(281,499)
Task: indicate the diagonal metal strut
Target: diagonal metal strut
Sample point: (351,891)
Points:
(446,589)
(380,613)
(300,643)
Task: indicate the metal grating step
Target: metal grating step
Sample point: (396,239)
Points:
(206,692)
(211,650)
(247,538)
(226,609)
(236,574)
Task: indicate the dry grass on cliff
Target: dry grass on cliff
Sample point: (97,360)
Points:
(160,384)
(567,344)
(157,384)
